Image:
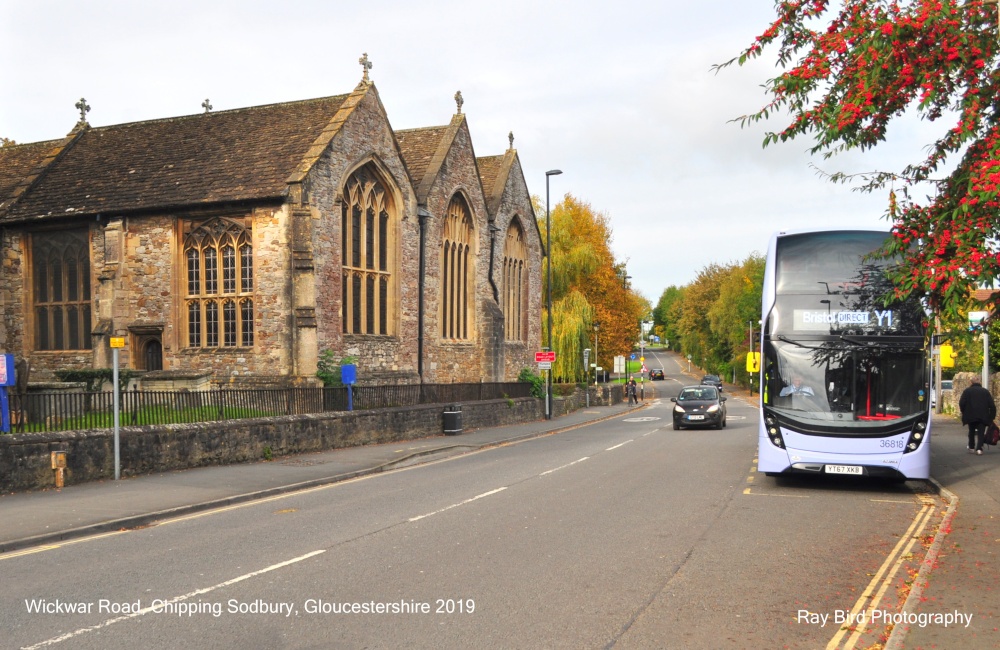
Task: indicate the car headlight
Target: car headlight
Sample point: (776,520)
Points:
(714,408)
(678,409)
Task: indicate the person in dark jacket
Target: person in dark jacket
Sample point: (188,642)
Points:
(630,390)
(978,411)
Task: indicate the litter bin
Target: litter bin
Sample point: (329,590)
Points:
(453,419)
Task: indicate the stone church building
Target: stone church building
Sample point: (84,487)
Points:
(248,243)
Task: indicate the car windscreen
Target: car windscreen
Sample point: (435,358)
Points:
(690,394)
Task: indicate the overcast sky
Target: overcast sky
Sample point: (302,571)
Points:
(619,96)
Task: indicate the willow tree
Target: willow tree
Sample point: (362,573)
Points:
(587,288)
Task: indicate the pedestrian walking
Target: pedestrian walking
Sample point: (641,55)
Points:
(978,412)
(630,390)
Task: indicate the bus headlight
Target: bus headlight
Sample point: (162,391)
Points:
(773,431)
(916,437)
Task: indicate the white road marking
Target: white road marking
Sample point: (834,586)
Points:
(617,446)
(460,503)
(161,604)
(564,466)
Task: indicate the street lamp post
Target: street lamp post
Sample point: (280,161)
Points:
(625,279)
(597,326)
(548,285)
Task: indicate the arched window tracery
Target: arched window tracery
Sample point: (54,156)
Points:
(219,258)
(457,271)
(515,283)
(367,237)
(61,290)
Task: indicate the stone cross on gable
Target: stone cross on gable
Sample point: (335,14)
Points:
(510,138)
(206,105)
(366,65)
(84,108)
(459,101)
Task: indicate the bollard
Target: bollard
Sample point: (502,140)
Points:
(59,465)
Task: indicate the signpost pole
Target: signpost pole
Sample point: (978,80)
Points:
(977,320)
(114,379)
(116,342)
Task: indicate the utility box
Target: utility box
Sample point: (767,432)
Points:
(453,419)
(58,459)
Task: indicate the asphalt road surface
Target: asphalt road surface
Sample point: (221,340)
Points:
(623,534)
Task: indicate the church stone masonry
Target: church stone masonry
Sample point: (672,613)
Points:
(245,243)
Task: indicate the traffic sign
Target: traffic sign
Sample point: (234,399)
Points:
(549,356)
(545,365)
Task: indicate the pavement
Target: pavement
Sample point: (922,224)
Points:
(959,574)
(45,517)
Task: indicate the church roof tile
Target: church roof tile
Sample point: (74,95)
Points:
(227,156)
(418,147)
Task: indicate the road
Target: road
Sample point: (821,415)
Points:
(624,534)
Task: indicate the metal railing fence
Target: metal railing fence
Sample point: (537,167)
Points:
(71,411)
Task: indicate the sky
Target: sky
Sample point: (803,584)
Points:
(619,96)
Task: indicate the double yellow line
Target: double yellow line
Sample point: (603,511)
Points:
(884,577)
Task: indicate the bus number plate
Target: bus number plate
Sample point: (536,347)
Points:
(843,469)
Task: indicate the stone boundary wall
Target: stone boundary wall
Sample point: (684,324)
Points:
(963,380)
(25,459)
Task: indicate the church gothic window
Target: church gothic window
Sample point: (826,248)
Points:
(366,244)
(219,258)
(515,280)
(61,290)
(456,264)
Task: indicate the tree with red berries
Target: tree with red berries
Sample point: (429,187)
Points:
(848,68)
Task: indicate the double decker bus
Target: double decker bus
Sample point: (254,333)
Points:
(844,375)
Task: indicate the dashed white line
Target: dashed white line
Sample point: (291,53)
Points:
(460,503)
(565,466)
(618,445)
(166,603)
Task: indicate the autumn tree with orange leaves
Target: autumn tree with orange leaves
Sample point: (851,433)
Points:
(587,286)
(848,69)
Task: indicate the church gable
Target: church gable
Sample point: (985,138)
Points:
(250,243)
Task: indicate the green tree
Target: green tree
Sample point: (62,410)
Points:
(587,286)
(707,349)
(735,311)
(848,69)
(713,315)
(664,318)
